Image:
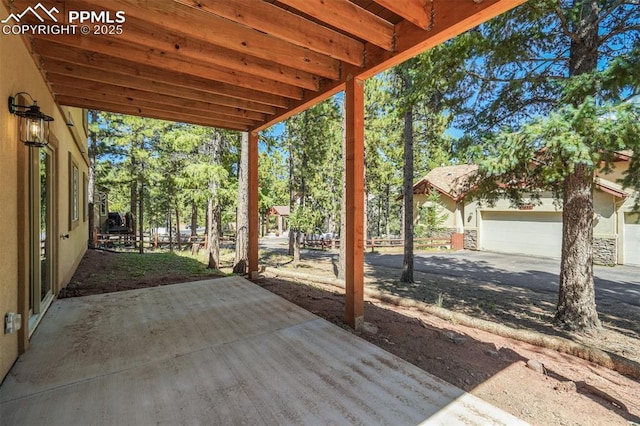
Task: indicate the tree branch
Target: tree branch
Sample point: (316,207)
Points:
(565,25)
(612,34)
(610,11)
(541,78)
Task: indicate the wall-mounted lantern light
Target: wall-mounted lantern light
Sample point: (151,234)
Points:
(34,125)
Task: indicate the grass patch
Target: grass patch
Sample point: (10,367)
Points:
(105,272)
(162,263)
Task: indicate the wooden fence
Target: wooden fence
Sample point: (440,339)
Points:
(195,243)
(453,243)
(154,241)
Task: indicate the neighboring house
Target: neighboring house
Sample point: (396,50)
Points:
(282,216)
(43,195)
(537,229)
(450,183)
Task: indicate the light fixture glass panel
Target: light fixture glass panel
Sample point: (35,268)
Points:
(32,131)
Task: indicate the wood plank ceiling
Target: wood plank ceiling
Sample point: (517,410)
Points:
(239,64)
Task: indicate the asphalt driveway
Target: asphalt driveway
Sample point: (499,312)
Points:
(620,283)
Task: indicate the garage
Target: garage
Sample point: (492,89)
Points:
(522,232)
(631,239)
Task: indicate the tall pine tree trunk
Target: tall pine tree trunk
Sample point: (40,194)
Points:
(576,299)
(379,223)
(292,199)
(194,219)
(170,230)
(387,212)
(133,201)
(297,236)
(365,221)
(141,217)
(213,234)
(407,263)
(212,262)
(342,269)
(214,210)
(242,226)
(178,233)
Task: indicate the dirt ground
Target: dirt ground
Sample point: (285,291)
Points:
(100,271)
(538,385)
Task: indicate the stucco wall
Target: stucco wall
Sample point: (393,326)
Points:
(447,209)
(628,203)
(9,197)
(620,167)
(19,73)
(546,204)
(603,204)
(605,214)
(70,249)
(607,245)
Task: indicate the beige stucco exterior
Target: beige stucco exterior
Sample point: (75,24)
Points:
(452,211)
(535,228)
(603,204)
(617,172)
(609,216)
(19,73)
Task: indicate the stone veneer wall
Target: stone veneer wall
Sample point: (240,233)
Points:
(605,251)
(471,239)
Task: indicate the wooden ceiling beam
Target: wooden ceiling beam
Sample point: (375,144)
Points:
(68,62)
(147,112)
(348,17)
(285,25)
(132,53)
(172,16)
(58,71)
(452,18)
(179,47)
(67,85)
(143,59)
(102,97)
(418,12)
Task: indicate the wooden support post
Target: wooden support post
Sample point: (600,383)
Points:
(354,175)
(254,223)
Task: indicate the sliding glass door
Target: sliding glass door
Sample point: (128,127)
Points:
(42,233)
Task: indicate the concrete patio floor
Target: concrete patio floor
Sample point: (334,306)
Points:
(217,352)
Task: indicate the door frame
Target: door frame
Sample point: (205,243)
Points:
(24,244)
(38,305)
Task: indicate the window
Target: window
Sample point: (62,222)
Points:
(85,192)
(85,121)
(74,193)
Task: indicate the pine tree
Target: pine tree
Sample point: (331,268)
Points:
(240,263)
(571,60)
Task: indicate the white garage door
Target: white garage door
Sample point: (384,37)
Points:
(631,239)
(532,233)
